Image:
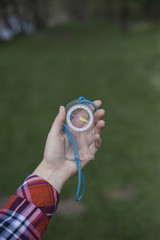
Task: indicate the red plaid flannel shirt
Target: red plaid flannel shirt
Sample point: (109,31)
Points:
(26,215)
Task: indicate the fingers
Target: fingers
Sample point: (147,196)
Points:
(96,144)
(58,122)
(97,103)
(98,115)
(98,141)
(99,126)
(98,123)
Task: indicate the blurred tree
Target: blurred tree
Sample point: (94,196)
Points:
(120,11)
(124,15)
(110,10)
(40,9)
(151,9)
(77,9)
(3,5)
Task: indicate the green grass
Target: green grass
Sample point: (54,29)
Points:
(96,61)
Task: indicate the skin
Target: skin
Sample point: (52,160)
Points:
(55,167)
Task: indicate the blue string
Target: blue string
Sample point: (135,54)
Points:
(76,154)
(83,100)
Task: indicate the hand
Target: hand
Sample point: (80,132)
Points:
(57,169)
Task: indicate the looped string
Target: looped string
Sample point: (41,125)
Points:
(76,154)
(83,100)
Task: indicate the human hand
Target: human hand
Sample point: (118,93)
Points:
(57,169)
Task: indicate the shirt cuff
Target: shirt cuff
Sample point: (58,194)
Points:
(40,193)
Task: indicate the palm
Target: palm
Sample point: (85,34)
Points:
(85,145)
(59,151)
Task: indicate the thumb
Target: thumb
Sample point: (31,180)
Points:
(58,122)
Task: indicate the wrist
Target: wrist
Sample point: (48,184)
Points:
(50,174)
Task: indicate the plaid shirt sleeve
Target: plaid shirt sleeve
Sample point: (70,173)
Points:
(26,215)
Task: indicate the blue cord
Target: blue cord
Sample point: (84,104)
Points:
(83,100)
(76,154)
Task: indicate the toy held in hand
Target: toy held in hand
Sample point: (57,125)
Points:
(79,116)
(79,129)
(80,124)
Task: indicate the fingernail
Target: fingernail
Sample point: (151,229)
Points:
(60,108)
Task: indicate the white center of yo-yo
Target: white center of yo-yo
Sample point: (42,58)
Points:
(72,118)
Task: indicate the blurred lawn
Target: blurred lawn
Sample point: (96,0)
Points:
(41,72)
